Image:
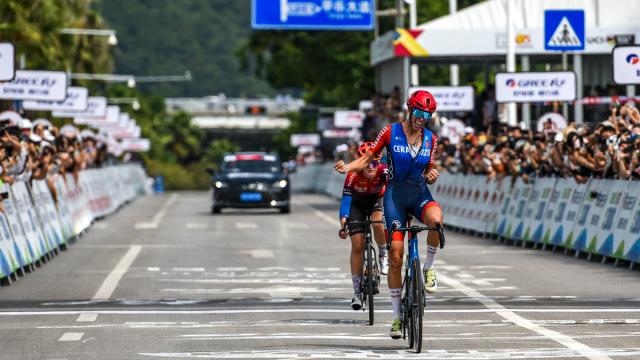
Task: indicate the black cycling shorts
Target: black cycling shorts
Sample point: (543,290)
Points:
(361,206)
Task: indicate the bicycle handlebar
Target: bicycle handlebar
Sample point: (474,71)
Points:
(416,229)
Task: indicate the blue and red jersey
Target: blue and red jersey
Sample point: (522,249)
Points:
(403,167)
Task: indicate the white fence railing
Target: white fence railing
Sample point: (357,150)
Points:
(39,217)
(600,217)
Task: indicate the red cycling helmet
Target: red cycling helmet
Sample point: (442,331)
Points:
(422,100)
(362,150)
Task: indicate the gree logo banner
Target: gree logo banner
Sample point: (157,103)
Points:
(535,86)
(35,85)
(76,101)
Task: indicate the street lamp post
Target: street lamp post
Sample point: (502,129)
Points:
(110,34)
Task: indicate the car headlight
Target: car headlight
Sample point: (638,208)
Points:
(220,185)
(280,184)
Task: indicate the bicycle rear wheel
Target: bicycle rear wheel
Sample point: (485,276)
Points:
(370,279)
(417,310)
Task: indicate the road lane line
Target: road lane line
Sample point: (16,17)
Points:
(87,317)
(334,353)
(320,214)
(246,225)
(510,315)
(185,269)
(71,336)
(309,310)
(262,254)
(155,221)
(112,280)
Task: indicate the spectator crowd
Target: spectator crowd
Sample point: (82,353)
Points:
(40,151)
(609,149)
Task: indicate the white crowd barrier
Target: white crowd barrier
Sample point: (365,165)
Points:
(42,216)
(600,217)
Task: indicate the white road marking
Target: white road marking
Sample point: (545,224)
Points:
(275,268)
(153,269)
(305,323)
(195,226)
(261,281)
(112,280)
(246,225)
(500,354)
(71,336)
(87,317)
(237,268)
(313,310)
(502,311)
(260,253)
(384,337)
(330,220)
(321,269)
(155,221)
(185,269)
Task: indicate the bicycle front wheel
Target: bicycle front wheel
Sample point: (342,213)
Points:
(417,310)
(370,280)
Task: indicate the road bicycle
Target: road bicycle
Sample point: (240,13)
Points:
(371,271)
(413,299)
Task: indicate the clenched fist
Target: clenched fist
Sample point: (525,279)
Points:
(432,176)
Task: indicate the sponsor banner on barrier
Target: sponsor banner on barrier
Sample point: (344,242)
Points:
(64,210)
(25,253)
(96,108)
(76,100)
(537,228)
(530,208)
(605,243)
(8,257)
(37,244)
(517,220)
(46,209)
(35,85)
(535,86)
(598,191)
(553,211)
(583,227)
(626,233)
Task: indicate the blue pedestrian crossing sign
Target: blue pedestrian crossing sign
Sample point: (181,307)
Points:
(564,30)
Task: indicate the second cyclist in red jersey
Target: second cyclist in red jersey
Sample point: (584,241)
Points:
(361,196)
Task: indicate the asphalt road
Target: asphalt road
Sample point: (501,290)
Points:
(165,279)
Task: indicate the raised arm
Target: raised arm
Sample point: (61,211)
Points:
(362,162)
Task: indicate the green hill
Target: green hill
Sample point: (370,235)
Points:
(167,37)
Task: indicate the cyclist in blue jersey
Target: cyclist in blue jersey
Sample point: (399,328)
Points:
(411,149)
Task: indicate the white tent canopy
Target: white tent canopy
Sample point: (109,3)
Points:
(480,30)
(529,14)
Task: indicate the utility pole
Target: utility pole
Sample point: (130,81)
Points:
(511,59)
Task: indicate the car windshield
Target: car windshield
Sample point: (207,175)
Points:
(250,166)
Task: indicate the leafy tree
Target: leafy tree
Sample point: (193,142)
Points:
(164,37)
(33,27)
(215,152)
(332,67)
